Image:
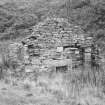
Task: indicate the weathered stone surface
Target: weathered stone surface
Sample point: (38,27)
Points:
(57,63)
(45,45)
(56,28)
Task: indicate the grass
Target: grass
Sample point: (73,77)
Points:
(78,87)
(75,87)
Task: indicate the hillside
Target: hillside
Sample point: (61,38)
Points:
(18,17)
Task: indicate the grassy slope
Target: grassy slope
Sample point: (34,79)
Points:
(18,17)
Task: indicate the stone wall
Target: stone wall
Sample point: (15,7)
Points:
(50,35)
(54,32)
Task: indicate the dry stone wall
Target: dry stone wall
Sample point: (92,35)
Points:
(47,41)
(54,32)
(59,32)
(49,46)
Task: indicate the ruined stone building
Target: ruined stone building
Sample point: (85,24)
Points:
(52,44)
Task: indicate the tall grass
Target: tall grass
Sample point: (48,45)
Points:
(80,84)
(8,63)
(74,86)
(86,77)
